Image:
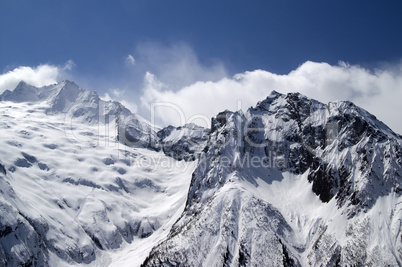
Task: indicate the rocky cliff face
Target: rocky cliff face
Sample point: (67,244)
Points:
(342,157)
(184,142)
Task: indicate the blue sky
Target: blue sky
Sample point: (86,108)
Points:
(182,42)
(276,36)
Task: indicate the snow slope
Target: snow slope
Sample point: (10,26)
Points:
(83,106)
(72,194)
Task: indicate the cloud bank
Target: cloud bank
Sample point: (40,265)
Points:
(205,93)
(378,91)
(37,76)
(115,94)
(176,65)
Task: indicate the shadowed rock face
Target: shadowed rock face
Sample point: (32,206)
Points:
(300,134)
(184,142)
(343,152)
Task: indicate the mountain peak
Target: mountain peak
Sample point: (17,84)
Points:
(274,94)
(23,92)
(326,170)
(21,84)
(68,83)
(276,100)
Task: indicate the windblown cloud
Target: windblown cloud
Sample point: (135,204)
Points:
(378,91)
(176,65)
(115,94)
(37,76)
(130,61)
(173,98)
(69,65)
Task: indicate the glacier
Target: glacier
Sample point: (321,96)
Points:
(289,182)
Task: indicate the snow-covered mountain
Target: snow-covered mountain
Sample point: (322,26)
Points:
(290,182)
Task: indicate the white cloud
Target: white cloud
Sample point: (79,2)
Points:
(116,93)
(188,91)
(37,76)
(120,96)
(378,91)
(130,60)
(177,65)
(69,65)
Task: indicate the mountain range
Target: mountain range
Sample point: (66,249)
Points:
(289,182)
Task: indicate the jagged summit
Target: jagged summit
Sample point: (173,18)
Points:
(22,93)
(25,92)
(63,97)
(300,107)
(313,174)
